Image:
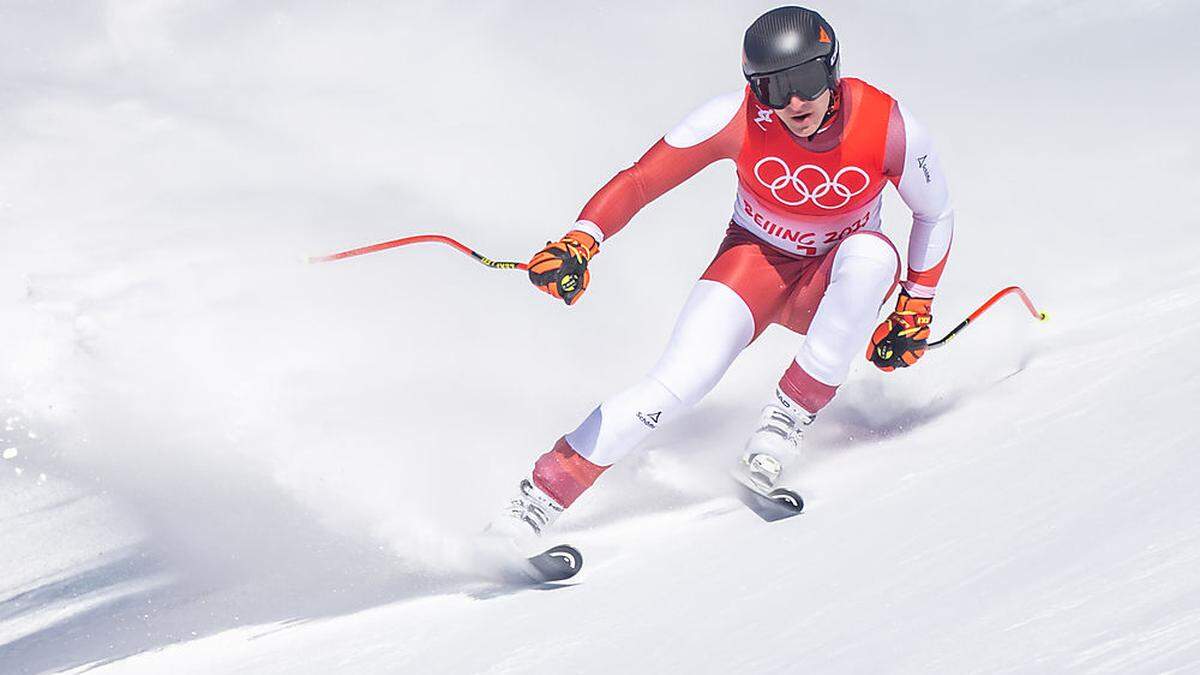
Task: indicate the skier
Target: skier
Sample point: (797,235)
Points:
(803,250)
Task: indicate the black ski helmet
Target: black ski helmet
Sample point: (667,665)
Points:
(790,51)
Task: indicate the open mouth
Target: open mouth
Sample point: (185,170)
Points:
(802,118)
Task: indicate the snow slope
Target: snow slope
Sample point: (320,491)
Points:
(229,461)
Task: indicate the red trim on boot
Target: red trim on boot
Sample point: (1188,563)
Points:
(811,394)
(564,474)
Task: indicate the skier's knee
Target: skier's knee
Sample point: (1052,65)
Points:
(873,249)
(622,421)
(689,391)
(689,385)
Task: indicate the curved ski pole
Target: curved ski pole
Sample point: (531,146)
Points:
(420,239)
(1039,315)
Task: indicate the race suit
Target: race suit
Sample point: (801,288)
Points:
(803,250)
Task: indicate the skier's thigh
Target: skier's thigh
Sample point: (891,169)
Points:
(713,327)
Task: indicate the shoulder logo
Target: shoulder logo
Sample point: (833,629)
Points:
(921,163)
(764,117)
(823,37)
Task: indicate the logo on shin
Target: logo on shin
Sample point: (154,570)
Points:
(650,420)
(783,400)
(810,183)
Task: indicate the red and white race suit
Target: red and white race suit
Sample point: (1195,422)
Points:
(804,250)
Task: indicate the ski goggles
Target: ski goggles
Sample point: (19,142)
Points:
(807,81)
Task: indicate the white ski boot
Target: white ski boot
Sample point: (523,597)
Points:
(515,538)
(529,514)
(774,446)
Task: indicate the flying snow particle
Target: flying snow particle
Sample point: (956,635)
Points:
(10,453)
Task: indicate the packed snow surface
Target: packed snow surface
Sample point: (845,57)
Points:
(218,458)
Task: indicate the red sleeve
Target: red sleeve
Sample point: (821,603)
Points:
(663,167)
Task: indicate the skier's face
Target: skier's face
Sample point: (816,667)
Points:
(803,118)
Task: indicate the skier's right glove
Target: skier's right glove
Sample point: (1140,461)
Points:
(560,269)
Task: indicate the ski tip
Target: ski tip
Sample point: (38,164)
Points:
(773,505)
(789,498)
(557,563)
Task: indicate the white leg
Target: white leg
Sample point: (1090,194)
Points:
(713,327)
(864,270)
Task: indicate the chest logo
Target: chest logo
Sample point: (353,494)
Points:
(810,183)
(764,117)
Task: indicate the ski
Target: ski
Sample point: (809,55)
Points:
(557,563)
(769,504)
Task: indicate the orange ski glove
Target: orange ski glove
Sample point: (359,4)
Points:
(900,340)
(560,269)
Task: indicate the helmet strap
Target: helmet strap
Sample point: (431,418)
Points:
(835,101)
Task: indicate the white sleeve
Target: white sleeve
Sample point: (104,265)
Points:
(923,188)
(704,122)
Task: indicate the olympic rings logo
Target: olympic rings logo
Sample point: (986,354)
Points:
(790,187)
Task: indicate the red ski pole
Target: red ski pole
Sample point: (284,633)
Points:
(419,239)
(1040,316)
(495,264)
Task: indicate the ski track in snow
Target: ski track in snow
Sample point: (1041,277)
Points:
(218,459)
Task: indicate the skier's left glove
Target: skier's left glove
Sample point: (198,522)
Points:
(900,340)
(560,269)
